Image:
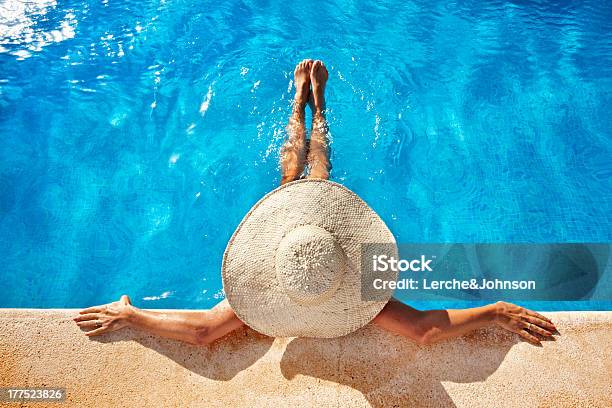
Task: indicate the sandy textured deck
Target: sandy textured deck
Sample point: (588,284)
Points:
(367,368)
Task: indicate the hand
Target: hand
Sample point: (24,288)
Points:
(526,323)
(105,318)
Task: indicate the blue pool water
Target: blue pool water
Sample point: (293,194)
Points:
(135,135)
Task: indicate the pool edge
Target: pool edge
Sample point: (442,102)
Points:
(43,347)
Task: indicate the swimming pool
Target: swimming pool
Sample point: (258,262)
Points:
(136,135)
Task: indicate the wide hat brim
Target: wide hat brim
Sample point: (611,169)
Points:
(249,272)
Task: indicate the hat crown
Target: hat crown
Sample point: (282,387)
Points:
(309,264)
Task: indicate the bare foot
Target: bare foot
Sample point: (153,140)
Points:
(302,82)
(318,78)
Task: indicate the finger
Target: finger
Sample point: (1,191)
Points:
(539,316)
(93,309)
(530,338)
(539,322)
(96,332)
(534,328)
(89,323)
(89,316)
(126,299)
(549,324)
(516,321)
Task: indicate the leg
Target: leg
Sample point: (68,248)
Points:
(293,152)
(318,153)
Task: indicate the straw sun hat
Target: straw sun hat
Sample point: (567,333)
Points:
(293,266)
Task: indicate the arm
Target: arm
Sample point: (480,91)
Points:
(191,326)
(427,327)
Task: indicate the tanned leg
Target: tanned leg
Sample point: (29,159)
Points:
(318,153)
(293,152)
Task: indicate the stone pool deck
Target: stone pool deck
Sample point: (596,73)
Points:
(369,368)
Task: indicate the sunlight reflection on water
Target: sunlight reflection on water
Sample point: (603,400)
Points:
(19,26)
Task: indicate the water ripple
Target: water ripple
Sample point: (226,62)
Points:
(137,134)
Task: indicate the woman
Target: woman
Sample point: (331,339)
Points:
(423,327)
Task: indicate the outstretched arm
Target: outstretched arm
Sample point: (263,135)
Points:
(191,326)
(427,327)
